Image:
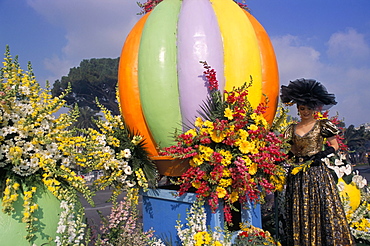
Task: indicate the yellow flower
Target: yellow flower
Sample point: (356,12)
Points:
(196,184)
(198,122)
(26,215)
(247,160)
(217,136)
(263,121)
(207,151)
(243,134)
(227,157)
(216,243)
(253,127)
(225,182)
(221,192)
(196,161)
(202,237)
(254,116)
(253,168)
(246,147)
(208,124)
(234,196)
(192,132)
(13,197)
(278,181)
(15,152)
(226,173)
(16,186)
(228,113)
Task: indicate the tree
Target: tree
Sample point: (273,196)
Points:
(356,140)
(94,78)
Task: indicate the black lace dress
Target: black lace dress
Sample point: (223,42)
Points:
(314,211)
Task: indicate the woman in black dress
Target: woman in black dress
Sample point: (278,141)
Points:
(314,211)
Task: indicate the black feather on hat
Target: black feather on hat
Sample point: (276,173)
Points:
(308,92)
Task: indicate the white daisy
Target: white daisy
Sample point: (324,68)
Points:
(128,170)
(127,153)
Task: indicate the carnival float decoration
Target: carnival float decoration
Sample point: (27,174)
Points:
(166,66)
(161,83)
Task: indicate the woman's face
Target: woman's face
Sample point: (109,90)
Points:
(305,112)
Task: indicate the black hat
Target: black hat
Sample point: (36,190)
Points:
(308,92)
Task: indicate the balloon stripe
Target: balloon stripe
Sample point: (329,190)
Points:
(270,72)
(242,58)
(128,88)
(199,39)
(158,72)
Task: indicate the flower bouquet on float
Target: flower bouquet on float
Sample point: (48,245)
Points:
(38,157)
(232,153)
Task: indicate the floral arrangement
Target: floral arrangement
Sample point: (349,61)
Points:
(36,149)
(41,153)
(149,5)
(122,227)
(359,218)
(232,150)
(196,233)
(251,235)
(71,225)
(121,154)
(355,195)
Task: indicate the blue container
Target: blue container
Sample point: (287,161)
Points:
(161,210)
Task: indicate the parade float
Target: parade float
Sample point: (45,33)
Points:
(167,66)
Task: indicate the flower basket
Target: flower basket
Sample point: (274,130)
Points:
(171,167)
(13,230)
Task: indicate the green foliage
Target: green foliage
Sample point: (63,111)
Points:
(94,78)
(356,140)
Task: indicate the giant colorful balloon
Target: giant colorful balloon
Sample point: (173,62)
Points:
(160,75)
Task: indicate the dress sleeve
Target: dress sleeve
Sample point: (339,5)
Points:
(328,129)
(288,133)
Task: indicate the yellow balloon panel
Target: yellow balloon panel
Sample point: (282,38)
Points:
(241,49)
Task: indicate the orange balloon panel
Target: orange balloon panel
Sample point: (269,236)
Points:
(270,72)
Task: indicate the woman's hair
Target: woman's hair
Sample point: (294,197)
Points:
(307,92)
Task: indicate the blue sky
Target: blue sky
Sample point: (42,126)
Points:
(327,40)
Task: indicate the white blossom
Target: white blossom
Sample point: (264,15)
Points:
(127,153)
(127,170)
(130,183)
(360,181)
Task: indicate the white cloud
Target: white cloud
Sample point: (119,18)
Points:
(348,47)
(295,59)
(57,67)
(93,28)
(348,81)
